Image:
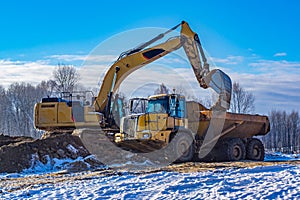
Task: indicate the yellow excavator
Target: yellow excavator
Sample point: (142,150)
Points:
(165,117)
(68,113)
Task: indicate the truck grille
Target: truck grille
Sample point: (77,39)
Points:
(129,126)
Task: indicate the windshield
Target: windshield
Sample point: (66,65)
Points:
(172,105)
(158,106)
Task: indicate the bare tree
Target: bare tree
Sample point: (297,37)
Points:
(65,77)
(241,100)
(294,134)
(162,89)
(182,90)
(46,87)
(22,99)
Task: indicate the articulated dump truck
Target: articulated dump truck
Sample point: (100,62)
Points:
(196,132)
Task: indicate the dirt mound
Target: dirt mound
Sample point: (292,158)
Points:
(6,140)
(19,153)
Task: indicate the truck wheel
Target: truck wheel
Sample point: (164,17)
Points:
(235,149)
(183,147)
(255,150)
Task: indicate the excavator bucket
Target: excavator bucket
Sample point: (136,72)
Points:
(221,84)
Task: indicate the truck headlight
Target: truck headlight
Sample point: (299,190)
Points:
(146,136)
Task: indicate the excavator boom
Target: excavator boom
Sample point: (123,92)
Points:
(136,58)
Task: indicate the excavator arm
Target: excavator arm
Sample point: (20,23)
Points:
(215,79)
(140,56)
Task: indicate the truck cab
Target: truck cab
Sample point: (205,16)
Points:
(164,114)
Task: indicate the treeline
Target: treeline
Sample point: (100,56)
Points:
(16,108)
(285,132)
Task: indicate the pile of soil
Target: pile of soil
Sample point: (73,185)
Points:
(19,153)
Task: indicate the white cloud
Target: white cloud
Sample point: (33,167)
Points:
(173,60)
(276,85)
(280,54)
(281,66)
(229,60)
(24,71)
(91,74)
(68,57)
(86,58)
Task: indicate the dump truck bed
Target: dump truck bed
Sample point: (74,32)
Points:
(235,125)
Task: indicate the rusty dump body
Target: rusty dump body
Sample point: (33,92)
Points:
(235,125)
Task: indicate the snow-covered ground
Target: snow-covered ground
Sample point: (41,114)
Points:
(260,182)
(277,156)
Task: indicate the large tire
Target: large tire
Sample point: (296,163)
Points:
(234,150)
(255,150)
(183,146)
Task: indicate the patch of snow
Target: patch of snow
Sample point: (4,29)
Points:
(265,182)
(52,164)
(72,149)
(277,156)
(135,165)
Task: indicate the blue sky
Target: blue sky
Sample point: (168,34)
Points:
(255,42)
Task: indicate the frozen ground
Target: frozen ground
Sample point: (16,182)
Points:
(276,156)
(222,181)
